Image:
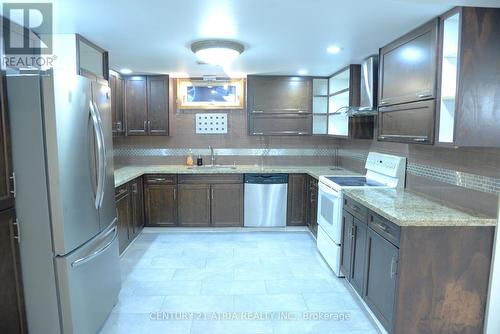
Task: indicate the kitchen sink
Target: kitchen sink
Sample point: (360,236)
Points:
(213,167)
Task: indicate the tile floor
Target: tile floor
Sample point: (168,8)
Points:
(277,277)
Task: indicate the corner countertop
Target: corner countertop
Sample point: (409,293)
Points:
(128,173)
(407,208)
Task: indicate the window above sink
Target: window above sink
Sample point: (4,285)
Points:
(210,94)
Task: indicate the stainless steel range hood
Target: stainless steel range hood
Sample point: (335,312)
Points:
(369,88)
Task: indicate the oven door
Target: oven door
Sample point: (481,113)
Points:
(330,212)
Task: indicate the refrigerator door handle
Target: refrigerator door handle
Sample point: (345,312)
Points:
(100,162)
(96,253)
(102,158)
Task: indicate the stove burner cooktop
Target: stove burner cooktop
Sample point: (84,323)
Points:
(354,181)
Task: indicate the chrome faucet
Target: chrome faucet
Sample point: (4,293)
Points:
(212,156)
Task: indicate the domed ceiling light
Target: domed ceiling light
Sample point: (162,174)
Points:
(216,51)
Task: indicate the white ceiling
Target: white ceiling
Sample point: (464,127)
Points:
(280,36)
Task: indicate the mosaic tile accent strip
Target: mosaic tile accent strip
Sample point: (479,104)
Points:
(480,183)
(172,152)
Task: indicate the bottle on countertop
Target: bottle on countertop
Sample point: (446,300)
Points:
(199,161)
(189,159)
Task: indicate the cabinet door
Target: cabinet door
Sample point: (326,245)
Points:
(313,209)
(381,275)
(161,205)
(358,255)
(280,124)
(12,306)
(124,214)
(194,205)
(6,197)
(297,199)
(227,204)
(158,105)
(137,199)
(347,242)
(136,108)
(279,94)
(408,67)
(116,85)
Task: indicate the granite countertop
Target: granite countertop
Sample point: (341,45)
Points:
(407,208)
(128,173)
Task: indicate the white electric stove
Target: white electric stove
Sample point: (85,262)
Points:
(383,171)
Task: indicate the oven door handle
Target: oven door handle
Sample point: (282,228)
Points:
(329,191)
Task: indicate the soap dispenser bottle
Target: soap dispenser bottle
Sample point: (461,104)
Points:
(189,159)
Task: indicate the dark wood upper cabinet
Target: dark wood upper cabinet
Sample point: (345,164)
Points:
(117,109)
(279,94)
(279,105)
(6,176)
(146,105)
(297,200)
(227,205)
(468,106)
(408,66)
(136,105)
(12,315)
(92,60)
(194,205)
(161,200)
(158,105)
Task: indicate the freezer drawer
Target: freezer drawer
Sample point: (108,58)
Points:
(89,283)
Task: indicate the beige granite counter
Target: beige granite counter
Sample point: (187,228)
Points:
(128,173)
(407,208)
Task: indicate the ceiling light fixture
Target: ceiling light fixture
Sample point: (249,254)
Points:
(216,51)
(126,71)
(333,49)
(302,72)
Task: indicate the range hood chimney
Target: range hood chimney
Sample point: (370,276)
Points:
(369,88)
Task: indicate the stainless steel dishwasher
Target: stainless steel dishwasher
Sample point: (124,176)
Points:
(265,200)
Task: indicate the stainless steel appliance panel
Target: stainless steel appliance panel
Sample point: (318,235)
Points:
(369,84)
(265,202)
(67,108)
(106,201)
(89,283)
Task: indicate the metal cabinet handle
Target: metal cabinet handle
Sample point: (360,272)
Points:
(14,187)
(353,232)
(257,111)
(149,126)
(134,188)
(423,95)
(420,139)
(380,226)
(119,126)
(145,126)
(383,102)
(208,194)
(258,133)
(394,266)
(159,179)
(175,194)
(212,193)
(18,230)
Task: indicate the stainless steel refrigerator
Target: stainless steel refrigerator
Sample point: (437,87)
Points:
(63,164)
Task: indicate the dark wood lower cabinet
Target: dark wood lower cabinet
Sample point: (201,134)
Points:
(346,257)
(12,316)
(297,200)
(381,270)
(227,205)
(313,206)
(124,215)
(417,279)
(194,205)
(130,211)
(161,205)
(137,200)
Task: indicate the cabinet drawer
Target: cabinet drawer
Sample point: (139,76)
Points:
(356,209)
(121,191)
(161,179)
(385,228)
(210,178)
